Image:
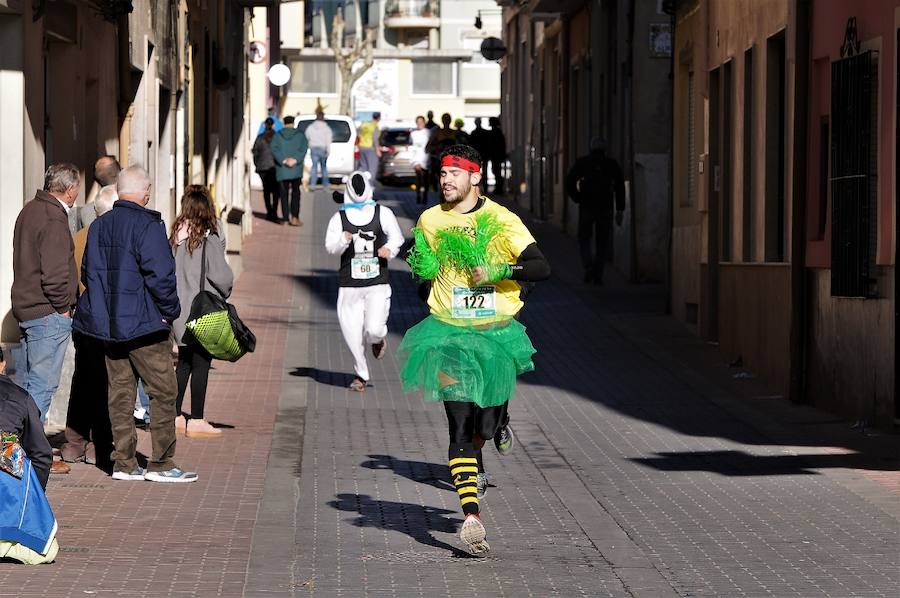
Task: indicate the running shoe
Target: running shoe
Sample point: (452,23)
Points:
(379,349)
(473,535)
(505,439)
(174,475)
(131,476)
(482,485)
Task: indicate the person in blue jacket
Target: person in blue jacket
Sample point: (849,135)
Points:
(130,302)
(27,524)
(289,147)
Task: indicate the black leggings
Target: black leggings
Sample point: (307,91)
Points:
(422,183)
(193,364)
(467,420)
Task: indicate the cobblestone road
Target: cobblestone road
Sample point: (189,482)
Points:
(645,468)
(635,476)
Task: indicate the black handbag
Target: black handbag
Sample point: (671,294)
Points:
(214,324)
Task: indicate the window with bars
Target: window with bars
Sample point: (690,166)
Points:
(854,148)
(688,199)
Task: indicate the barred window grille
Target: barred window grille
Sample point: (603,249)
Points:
(854,147)
(691,148)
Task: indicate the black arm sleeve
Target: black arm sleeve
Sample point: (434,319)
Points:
(531,266)
(424,290)
(35,444)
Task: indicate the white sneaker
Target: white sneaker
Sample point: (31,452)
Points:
(133,476)
(473,535)
(174,475)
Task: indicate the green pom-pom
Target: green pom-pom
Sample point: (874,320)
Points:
(496,273)
(422,260)
(455,249)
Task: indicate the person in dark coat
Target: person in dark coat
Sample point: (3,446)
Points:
(289,147)
(596,184)
(496,154)
(480,139)
(265,167)
(130,302)
(20,415)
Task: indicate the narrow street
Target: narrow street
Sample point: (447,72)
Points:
(644,466)
(641,471)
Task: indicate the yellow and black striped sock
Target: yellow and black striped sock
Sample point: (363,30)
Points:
(464,471)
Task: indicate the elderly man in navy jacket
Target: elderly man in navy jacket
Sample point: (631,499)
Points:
(130,302)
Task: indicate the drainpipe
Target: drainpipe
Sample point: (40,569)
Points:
(126,107)
(799,17)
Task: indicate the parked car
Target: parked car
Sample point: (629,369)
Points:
(341,159)
(395,165)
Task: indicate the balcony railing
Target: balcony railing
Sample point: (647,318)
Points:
(412,13)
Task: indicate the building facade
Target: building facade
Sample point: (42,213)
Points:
(426,57)
(784,198)
(577,70)
(161,84)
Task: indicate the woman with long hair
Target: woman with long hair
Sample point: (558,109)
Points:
(196,227)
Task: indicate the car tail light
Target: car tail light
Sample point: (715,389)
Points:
(356,149)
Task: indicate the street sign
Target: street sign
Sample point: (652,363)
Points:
(492,48)
(257,52)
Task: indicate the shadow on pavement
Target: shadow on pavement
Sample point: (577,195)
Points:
(432,474)
(416,521)
(340,379)
(739,463)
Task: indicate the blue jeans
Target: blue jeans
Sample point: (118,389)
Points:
(319,156)
(368,162)
(45,341)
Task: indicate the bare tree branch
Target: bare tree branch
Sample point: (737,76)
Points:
(347,57)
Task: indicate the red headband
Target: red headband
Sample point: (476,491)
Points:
(459,162)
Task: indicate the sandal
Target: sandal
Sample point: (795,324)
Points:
(358,385)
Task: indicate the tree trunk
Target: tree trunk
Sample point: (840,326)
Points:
(347,57)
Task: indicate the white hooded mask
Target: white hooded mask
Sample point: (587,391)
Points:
(358,191)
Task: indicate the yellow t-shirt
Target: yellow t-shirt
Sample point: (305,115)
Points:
(366,134)
(449,289)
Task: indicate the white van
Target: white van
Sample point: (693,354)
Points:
(341,159)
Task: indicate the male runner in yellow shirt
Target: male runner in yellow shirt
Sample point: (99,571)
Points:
(468,352)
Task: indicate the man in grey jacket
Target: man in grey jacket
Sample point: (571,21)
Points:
(319,135)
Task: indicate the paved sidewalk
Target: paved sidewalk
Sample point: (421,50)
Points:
(146,539)
(644,468)
(638,472)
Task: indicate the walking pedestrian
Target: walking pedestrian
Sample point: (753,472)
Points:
(461,136)
(130,302)
(319,136)
(480,139)
(419,140)
(289,149)
(369,147)
(88,431)
(265,167)
(497,154)
(596,184)
(430,124)
(45,283)
(467,353)
(106,170)
(196,235)
(366,236)
(277,123)
(441,140)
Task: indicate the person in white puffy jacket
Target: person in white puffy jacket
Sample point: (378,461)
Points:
(366,235)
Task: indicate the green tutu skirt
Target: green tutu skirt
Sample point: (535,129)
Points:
(464,363)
